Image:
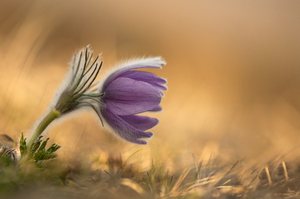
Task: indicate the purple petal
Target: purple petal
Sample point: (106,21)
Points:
(124,129)
(156,109)
(155,62)
(140,122)
(150,78)
(125,96)
(128,89)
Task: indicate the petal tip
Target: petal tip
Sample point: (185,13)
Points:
(141,142)
(148,134)
(161,61)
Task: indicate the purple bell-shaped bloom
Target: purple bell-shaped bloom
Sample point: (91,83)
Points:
(126,93)
(119,100)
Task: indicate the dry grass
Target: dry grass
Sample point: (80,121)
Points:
(118,178)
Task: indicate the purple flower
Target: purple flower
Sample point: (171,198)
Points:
(126,93)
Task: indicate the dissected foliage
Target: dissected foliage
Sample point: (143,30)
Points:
(38,151)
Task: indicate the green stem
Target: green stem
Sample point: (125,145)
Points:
(50,117)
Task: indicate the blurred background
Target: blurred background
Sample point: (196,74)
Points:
(233,73)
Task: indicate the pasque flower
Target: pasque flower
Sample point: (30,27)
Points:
(126,93)
(119,100)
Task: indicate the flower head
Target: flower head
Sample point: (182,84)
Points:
(127,92)
(124,94)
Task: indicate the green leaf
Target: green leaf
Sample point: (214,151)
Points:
(38,150)
(23,146)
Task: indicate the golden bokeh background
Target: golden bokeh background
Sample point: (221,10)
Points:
(233,73)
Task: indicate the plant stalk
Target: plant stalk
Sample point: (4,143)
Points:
(47,119)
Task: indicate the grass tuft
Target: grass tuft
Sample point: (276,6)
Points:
(119,178)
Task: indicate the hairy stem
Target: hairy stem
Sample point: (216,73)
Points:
(46,120)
